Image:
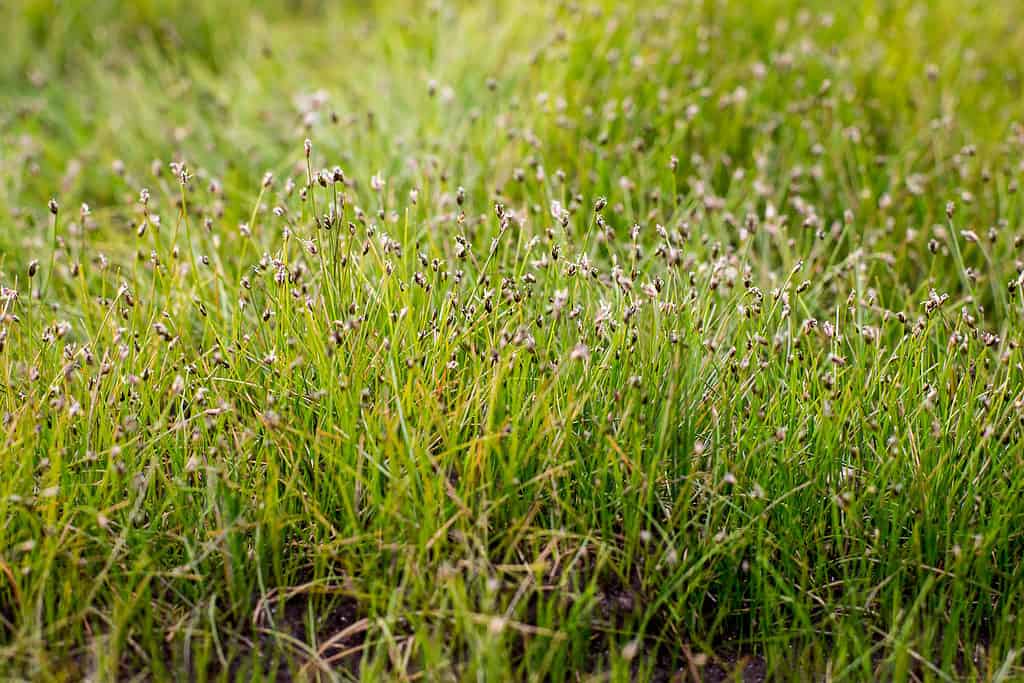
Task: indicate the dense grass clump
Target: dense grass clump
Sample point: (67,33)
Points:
(512,341)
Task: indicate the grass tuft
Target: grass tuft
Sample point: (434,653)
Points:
(511,341)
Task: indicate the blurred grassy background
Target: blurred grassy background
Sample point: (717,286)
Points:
(90,88)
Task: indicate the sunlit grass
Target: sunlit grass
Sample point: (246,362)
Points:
(511,341)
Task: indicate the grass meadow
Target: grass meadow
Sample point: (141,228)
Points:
(532,340)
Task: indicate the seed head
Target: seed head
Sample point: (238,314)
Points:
(580,352)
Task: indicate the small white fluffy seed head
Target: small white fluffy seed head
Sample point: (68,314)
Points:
(580,352)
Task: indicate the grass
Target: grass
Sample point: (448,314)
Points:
(512,341)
